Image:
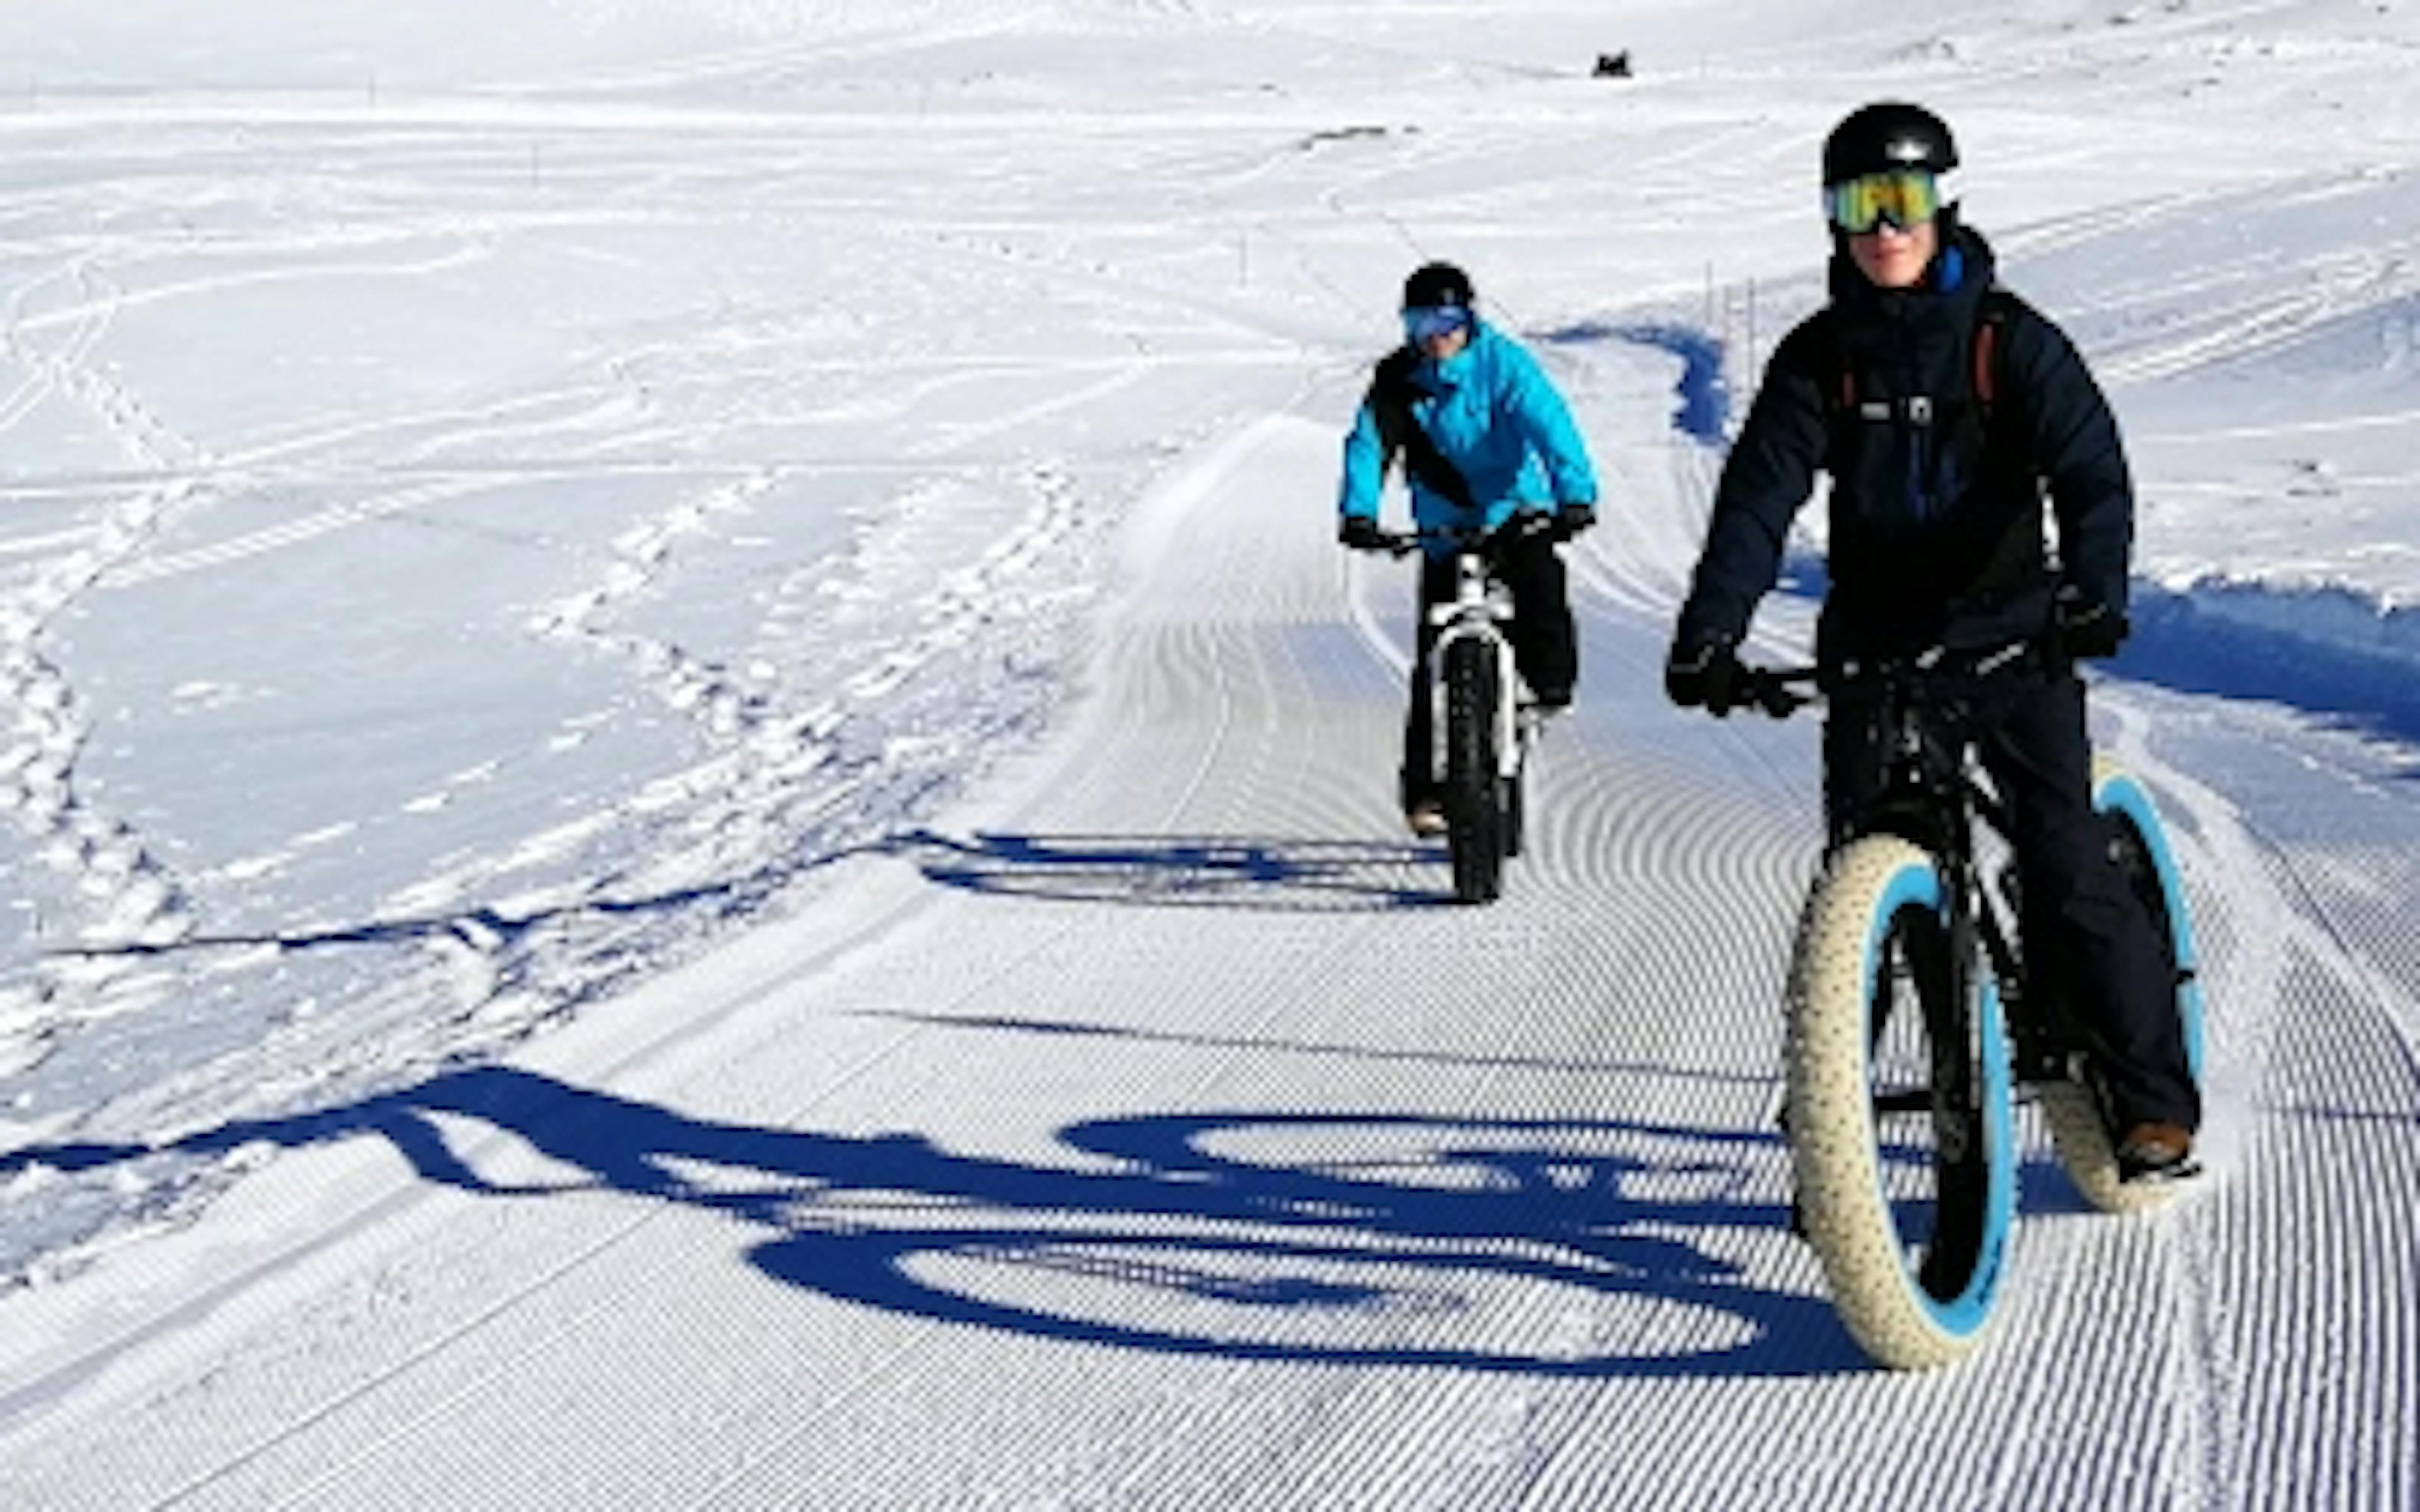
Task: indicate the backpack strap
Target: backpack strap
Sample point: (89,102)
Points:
(1987,325)
(1984,348)
(1391,395)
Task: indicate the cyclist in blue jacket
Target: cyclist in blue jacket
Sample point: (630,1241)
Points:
(1483,434)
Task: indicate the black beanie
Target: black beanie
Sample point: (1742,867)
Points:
(1435,283)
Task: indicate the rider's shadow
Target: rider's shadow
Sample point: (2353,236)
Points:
(1184,1234)
(1224,871)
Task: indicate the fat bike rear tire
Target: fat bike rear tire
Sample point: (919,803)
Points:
(2138,844)
(1901,1135)
(1476,820)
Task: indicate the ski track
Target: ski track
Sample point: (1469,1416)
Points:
(755,757)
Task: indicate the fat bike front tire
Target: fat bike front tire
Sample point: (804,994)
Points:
(1901,1131)
(2139,844)
(1476,820)
(1516,808)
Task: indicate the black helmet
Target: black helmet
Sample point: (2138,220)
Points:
(1435,283)
(1889,134)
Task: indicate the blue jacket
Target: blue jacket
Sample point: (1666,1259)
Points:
(1497,417)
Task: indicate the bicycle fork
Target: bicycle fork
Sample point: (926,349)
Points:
(1475,613)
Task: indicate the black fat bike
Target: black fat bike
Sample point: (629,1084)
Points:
(1914,1027)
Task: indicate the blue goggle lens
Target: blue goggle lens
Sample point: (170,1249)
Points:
(1426,323)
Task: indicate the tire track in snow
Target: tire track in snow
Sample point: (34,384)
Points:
(45,371)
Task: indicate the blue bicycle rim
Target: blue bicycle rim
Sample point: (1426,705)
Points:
(1967,1313)
(2121,793)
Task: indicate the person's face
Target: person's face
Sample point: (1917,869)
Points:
(1437,331)
(1446,344)
(1892,258)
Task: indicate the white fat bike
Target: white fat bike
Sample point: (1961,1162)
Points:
(1483,717)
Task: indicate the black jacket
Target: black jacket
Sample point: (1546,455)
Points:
(1937,526)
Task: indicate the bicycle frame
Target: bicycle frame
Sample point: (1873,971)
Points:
(1479,721)
(1478,611)
(1931,795)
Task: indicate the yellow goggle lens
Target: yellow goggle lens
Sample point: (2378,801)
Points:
(1906,198)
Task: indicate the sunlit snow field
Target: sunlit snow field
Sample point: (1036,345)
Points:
(497,500)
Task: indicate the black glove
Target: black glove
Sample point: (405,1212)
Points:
(1359,533)
(1705,674)
(2087,632)
(1570,520)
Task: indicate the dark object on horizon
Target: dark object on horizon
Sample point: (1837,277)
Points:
(1613,65)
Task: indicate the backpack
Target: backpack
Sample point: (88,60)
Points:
(1391,395)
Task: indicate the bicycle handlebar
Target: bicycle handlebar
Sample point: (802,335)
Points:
(1776,690)
(1522,525)
(1936,671)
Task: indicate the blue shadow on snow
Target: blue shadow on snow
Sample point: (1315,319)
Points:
(2180,645)
(1231,872)
(1355,1255)
(1705,395)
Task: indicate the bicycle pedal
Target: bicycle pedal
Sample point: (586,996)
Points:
(2175,1173)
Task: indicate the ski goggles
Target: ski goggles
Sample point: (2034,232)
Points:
(1906,197)
(1425,323)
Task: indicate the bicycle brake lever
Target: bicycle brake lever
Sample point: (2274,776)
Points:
(1772,694)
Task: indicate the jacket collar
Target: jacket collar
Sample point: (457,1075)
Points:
(1943,306)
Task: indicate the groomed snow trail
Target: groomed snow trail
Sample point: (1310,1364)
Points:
(1153,1134)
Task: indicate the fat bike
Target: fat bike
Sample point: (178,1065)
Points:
(1914,1027)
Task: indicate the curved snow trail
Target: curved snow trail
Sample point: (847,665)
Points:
(1160,1090)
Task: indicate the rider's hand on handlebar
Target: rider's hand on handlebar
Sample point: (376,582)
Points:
(1706,674)
(1359,533)
(2088,631)
(1570,520)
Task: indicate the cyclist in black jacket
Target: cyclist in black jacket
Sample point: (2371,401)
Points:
(1945,409)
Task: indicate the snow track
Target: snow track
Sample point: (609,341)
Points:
(1174,1093)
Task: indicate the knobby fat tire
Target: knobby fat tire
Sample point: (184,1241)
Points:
(1475,818)
(1851,915)
(2078,1133)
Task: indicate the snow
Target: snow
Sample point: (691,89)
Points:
(692,810)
